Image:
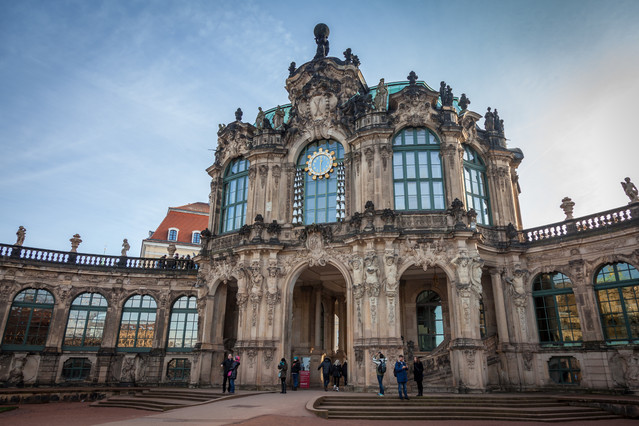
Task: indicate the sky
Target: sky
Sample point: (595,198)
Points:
(109,110)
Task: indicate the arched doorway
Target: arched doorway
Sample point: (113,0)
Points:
(316,321)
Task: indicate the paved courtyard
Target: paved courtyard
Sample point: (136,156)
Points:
(262,409)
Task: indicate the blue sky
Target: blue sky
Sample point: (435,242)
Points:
(109,109)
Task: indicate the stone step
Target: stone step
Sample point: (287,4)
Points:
(184,396)
(138,404)
(438,403)
(406,408)
(470,416)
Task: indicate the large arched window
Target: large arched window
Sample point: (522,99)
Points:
(475,185)
(430,321)
(183,325)
(319,192)
(617,287)
(556,310)
(29,320)
(137,327)
(418,179)
(234,194)
(86,321)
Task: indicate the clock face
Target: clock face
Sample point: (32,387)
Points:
(320,164)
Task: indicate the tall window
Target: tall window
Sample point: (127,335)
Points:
(556,310)
(29,320)
(475,183)
(617,287)
(430,321)
(183,325)
(173,234)
(137,327)
(417,171)
(319,195)
(86,321)
(196,237)
(234,195)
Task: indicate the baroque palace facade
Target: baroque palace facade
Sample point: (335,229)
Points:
(354,220)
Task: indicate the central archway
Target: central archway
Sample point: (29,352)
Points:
(317,319)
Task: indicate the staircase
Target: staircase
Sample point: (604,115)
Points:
(455,407)
(161,399)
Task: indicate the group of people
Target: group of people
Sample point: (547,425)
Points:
(336,370)
(171,262)
(400,371)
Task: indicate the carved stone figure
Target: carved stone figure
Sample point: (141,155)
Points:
(125,247)
(475,273)
(171,249)
(391,273)
(278,118)
(489,123)
(457,212)
(412,78)
(75,242)
(567,206)
(348,56)
(631,190)
(372,278)
(380,97)
(127,373)
(21,234)
(357,266)
(291,69)
(238,114)
(321,32)
(259,120)
(499,123)
(16,376)
(463,102)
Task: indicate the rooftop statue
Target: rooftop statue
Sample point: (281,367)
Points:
(21,234)
(238,114)
(125,247)
(464,102)
(321,32)
(631,190)
(380,98)
(259,121)
(489,124)
(291,69)
(278,117)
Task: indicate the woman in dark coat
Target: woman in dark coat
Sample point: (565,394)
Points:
(418,372)
(233,375)
(283,367)
(345,372)
(325,366)
(336,372)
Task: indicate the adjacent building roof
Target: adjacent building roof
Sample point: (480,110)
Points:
(186,219)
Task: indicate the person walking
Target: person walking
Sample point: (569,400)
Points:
(418,373)
(226,367)
(283,367)
(336,372)
(380,367)
(345,372)
(233,375)
(401,372)
(295,373)
(325,366)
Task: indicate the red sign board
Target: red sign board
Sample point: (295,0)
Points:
(305,379)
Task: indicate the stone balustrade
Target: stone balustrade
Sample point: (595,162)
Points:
(30,254)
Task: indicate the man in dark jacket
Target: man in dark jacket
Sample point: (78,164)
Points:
(345,372)
(226,366)
(401,372)
(295,373)
(325,366)
(418,372)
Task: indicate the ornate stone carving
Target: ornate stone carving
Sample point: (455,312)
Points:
(263,171)
(372,275)
(427,254)
(369,153)
(457,211)
(276,172)
(75,243)
(469,354)
(528,359)
(125,247)
(380,97)
(22,231)
(567,206)
(268,357)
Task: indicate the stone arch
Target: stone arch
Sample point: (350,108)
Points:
(595,266)
(548,269)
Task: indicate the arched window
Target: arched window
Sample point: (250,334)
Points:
(430,321)
(86,321)
(556,310)
(137,327)
(418,179)
(617,287)
(29,320)
(183,325)
(319,191)
(173,234)
(234,194)
(475,184)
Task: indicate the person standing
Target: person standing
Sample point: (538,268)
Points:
(401,372)
(336,372)
(295,373)
(418,372)
(325,366)
(380,367)
(283,367)
(226,366)
(233,375)
(345,372)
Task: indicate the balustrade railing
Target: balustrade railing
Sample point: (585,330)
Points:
(10,252)
(597,221)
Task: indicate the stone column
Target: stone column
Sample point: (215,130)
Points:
(452,167)
(500,307)
(468,359)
